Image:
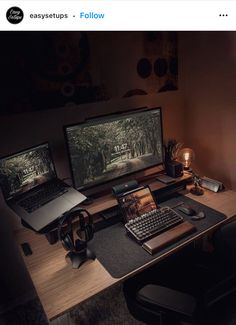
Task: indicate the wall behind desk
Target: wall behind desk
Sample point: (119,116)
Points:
(208,79)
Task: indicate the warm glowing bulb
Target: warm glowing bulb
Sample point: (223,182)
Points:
(186,156)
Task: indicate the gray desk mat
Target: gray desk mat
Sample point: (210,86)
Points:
(120,255)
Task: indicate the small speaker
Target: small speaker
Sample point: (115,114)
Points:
(174,169)
(125,187)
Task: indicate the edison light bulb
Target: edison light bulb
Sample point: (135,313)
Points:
(186,156)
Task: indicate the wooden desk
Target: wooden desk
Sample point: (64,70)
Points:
(61,288)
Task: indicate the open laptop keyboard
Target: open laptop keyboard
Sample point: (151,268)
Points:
(49,192)
(152,223)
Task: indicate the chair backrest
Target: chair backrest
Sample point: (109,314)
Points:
(225,246)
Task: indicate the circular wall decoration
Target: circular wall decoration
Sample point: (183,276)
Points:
(144,68)
(58,56)
(160,67)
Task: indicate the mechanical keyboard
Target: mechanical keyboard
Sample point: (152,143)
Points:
(46,194)
(152,223)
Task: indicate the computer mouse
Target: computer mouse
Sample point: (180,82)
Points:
(186,209)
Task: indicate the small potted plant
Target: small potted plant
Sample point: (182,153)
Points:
(171,149)
(172,167)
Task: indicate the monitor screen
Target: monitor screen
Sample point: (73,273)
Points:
(106,148)
(136,203)
(25,170)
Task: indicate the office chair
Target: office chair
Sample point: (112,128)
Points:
(199,295)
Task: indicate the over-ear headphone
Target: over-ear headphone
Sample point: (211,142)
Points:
(66,236)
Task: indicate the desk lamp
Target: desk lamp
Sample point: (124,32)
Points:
(186,156)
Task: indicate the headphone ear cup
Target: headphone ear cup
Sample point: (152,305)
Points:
(79,244)
(67,243)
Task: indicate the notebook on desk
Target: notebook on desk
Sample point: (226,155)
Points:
(31,188)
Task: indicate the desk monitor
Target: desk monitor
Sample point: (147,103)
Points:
(105,148)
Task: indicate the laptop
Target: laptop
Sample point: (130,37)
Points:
(31,188)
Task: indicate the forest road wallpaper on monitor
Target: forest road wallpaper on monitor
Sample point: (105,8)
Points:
(21,172)
(105,150)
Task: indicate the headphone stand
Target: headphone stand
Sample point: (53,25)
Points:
(77,258)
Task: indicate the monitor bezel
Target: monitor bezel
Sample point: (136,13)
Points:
(20,152)
(108,116)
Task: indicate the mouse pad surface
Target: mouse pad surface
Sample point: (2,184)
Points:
(120,254)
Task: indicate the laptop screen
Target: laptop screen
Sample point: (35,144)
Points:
(25,170)
(136,203)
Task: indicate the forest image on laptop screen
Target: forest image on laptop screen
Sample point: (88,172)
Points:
(106,148)
(21,172)
(137,203)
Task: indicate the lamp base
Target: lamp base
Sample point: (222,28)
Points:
(196,190)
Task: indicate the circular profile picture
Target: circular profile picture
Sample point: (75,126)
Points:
(14,15)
